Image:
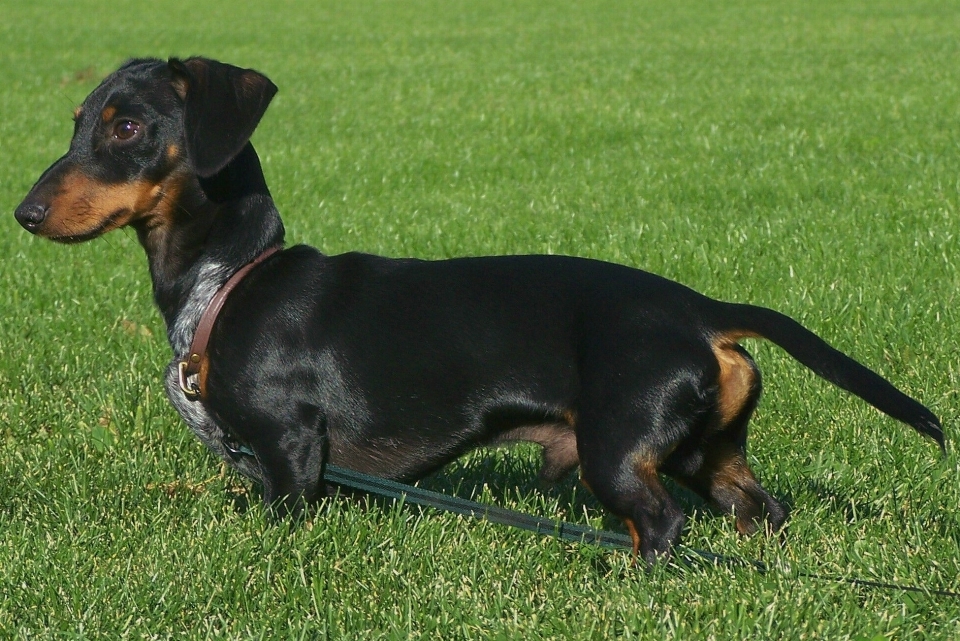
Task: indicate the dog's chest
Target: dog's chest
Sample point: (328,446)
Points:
(210,277)
(203,424)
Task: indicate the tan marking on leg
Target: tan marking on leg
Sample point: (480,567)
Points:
(635,536)
(559,445)
(735,474)
(645,467)
(727,475)
(558,440)
(736,380)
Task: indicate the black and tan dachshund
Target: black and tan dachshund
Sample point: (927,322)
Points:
(396,367)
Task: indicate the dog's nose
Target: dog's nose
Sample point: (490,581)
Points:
(31,216)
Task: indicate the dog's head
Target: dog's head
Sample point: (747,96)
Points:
(149,127)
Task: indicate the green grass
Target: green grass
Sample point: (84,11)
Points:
(800,155)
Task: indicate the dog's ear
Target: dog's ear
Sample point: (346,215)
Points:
(222,105)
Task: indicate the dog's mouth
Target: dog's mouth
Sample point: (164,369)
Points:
(109,223)
(82,208)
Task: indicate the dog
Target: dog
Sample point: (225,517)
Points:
(395,367)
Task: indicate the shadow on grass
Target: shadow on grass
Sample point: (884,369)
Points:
(508,477)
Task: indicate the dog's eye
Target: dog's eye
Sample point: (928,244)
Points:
(126,129)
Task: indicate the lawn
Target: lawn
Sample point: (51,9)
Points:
(801,155)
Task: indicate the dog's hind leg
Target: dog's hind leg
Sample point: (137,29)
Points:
(626,432)
(715,466)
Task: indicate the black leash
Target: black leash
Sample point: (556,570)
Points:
(427,498)
(561,530)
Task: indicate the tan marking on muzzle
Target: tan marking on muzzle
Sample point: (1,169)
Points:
(84,207)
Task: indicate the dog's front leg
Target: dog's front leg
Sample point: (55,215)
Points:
(291,468)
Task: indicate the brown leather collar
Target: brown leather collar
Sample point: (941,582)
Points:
(190,380)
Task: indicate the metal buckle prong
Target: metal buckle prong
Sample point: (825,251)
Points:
(190,388)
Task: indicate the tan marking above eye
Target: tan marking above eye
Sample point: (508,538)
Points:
(108,113)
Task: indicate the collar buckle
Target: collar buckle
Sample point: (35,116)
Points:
(189,383)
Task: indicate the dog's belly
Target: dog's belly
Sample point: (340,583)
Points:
(409,440)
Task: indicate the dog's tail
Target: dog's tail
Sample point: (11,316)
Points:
(830,364)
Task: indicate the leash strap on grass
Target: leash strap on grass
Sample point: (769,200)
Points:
(417,496)
(559,529)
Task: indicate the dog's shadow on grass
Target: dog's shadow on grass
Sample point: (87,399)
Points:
(508,477)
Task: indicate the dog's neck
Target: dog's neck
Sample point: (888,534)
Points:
(218,225)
